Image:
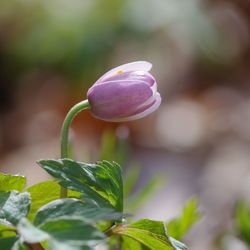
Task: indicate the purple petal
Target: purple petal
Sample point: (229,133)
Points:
(118,99)
(131,76)
(133,66)
(144,113)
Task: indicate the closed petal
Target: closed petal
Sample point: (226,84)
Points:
(131,76)
(142,114)
(118,99)
(133,66)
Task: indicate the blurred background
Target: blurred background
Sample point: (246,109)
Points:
(198,140)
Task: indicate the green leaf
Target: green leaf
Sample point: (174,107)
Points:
(43,193)
(75,208)
(29,233)
(66,234)
(14,206)
(100,183)
(6,229)
(129,243)
(243,221)
(151,234)
(65,230)
(177,228)
(12,182)
(139,199)
(9,243)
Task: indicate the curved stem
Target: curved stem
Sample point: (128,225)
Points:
(65,132)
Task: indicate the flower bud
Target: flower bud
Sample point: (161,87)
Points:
(125,93)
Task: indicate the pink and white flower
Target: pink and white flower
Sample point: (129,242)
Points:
(127,92)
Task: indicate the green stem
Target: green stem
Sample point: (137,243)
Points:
(65,132)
